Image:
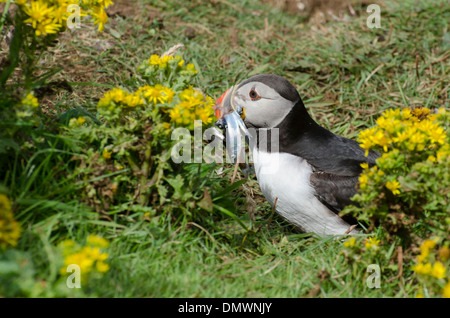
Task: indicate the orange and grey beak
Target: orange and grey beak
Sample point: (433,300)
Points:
(229,119)
(223,107)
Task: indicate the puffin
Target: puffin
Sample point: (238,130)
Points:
(307,173)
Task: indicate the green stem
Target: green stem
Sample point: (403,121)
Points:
(132,164)
(29,66)
(145,172)
(2,21)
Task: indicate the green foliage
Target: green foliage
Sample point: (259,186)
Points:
(407,191)
(432,268)
(125,161)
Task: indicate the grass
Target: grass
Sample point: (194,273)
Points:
(346,73)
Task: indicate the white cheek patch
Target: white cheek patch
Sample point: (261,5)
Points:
(266,112)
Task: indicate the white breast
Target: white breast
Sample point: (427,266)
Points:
(286,177)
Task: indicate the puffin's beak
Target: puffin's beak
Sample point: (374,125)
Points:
(229,118)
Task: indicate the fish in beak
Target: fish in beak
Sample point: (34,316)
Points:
(230,118)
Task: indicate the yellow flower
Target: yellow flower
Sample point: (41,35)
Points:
(393,186)
(392,113)
(423,255)
(350,242)
(115,95)
(406,113)
(89,258)
(175,115)
(41,18)
(94,253)
(428,244)
(163,60)
(38,12)
(437,135)
(363,179)
(119,97)
(133,100)
(425,249)
(81,120)
(401,137)
(76,122)
(431,158)
(204,114)
(9,228)
(191,68)
(102,267)
(388,124)
(154,60)
(422,269)
(364,165)
(446,290)
(168,94)
(365,138)
(420,112)
(167,127)
(417,141)
(180,60)
(80,259)
(191,95)
(438,270)
(106,154)
(100,18)
(158,94)
(443,152)
(30,100)
(105,3)
(371,242)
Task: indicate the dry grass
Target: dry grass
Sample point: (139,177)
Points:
(320,11)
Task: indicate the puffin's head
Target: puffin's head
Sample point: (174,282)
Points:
(262,101)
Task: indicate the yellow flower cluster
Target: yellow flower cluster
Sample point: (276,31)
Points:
(165,60)
(90,258)
(369,243)
(77,122)
(193,105)
(414,130)
(394,186)
(30,101)
(145,95)
(190,104)
(372,173)
(106,154)
(170,67)
(118,97)
(27,106)
(350,242)
(157,94)
(398,132)
(432,264)
(51,16)
(9,228)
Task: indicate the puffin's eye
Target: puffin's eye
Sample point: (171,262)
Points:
(253,95)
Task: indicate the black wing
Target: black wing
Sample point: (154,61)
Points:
(334,191)
(336,163)
(335,179)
